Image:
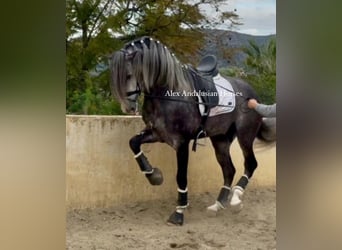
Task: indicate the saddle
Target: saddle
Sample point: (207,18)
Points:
(208,65)
(204,84)
(207,68)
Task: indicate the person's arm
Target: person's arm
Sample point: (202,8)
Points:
(262,109)
(266,110)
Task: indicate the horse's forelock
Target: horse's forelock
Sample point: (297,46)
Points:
(118,75)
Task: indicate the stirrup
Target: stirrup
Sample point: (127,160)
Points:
(194,145)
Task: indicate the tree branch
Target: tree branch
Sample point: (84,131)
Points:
(97,18)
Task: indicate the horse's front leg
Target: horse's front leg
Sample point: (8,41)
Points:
(154,175)
(177,217)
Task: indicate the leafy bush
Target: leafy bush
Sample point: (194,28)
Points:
(93,101)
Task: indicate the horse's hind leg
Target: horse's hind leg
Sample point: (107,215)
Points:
(245,139)
(153,175)
(222,145)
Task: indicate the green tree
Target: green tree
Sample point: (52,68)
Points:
(87,46)
(177,22)
(261,69)
(96,28)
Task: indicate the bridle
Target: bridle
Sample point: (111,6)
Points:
(136,91)
(132,97)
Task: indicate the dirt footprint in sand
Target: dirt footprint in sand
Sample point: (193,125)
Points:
(184,245)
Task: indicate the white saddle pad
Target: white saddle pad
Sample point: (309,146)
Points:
(226,97)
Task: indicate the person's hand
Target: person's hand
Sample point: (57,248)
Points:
(252,103)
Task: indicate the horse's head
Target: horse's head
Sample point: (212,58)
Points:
(142,65)
(125,86)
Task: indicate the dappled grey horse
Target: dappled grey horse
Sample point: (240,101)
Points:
(145,66)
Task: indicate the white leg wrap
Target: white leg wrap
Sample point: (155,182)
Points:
(181,209)
(138,154)
(246,177)
(237,195)
(148,172)
(216,207)
(182,191)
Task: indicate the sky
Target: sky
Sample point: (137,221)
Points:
(258,16)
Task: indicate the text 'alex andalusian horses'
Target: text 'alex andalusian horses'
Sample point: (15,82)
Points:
(174,115)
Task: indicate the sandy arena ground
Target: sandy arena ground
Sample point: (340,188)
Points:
(143,225)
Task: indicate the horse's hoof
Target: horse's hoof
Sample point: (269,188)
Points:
(156,178)
(176,219)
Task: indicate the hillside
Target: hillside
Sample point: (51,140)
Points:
(226,46)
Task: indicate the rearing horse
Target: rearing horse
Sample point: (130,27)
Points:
(145,66)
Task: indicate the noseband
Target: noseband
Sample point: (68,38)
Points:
(136,91)
(134,100)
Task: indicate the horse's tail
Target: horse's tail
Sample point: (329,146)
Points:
(267,131)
